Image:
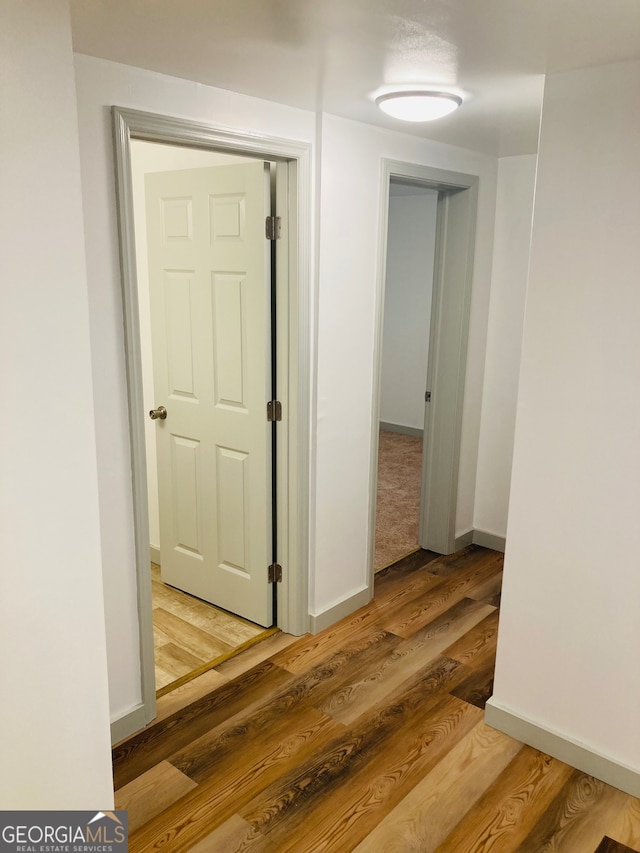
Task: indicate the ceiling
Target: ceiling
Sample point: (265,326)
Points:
(335,55)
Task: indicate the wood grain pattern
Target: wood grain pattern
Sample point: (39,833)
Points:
(305,786)
(211,804)
(400,662)
(189,633)
(234,835)
(337,823)
(430,811)
(152,793)
(480,639)
(156,743)
(219,623)
(626,828)
(477,687)
(488,591)
(366,737)
(184,695)
(507,812)
(574,818)
(448,590)
(194,640)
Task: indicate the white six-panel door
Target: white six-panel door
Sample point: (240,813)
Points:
(210,316)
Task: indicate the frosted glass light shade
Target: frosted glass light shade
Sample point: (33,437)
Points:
(418,106)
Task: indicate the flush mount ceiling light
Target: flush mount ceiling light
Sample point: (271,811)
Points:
(418,105)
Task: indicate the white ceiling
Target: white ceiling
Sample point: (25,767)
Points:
(334,55)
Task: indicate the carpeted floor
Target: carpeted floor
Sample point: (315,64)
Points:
(398,506)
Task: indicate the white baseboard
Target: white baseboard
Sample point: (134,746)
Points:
(132,722)
(463,540)
(489,540)
(154,553)
(563,748)
(402,429)
(346,607)
(480,537)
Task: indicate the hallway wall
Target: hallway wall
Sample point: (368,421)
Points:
(514,212)
(54,726)
(569,629)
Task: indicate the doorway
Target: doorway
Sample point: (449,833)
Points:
(292,189)
(445,338)
(410,259)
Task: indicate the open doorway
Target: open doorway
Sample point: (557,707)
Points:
(398,397)
(195,622)
(410,259)
(285,571)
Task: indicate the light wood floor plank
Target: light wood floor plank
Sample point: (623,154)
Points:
(160,740)
(152,793)
(625,825)
(291,801)
(218,623)
(480,638)
(227,632)
(192,691)
(509,810)
(263,650)
(311,650)
(451,589)
(193,817)
(367,796)
(576,819)
(194,640)
(440,800)
(234,836)
(488,591)
(176,660)
(404,661)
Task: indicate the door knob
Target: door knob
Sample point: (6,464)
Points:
(158,414)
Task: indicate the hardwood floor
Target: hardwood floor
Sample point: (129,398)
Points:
(189,633)
(368,737)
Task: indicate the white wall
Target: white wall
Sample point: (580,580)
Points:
(101,84)
(54,726)
(570,626)
(407,304)
(149,157)
(348,256)
(349,155)
(514,209)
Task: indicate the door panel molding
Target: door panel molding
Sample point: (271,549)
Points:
(294,206)
(453,274)
(211,341)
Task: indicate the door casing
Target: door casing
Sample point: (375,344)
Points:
(293,182)
(453,276)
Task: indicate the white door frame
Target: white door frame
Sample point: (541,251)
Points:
(446,371)
(293,367)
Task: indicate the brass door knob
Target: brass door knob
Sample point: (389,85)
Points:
(158,414)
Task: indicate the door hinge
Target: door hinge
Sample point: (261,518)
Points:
(275,573)
(427,396)
(273,227)
(274,410)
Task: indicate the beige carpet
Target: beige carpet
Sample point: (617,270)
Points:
(398,505)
